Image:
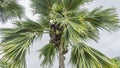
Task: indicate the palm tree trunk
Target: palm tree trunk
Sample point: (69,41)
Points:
(56,35)
(61,57)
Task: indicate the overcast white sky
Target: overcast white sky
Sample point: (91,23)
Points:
(109,43)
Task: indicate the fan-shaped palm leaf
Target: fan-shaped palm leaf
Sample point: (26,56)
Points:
(48,52)
(16,42)
(83,56)
(103,19)
(73,4)
(43,7)
(84,24)
(10,9)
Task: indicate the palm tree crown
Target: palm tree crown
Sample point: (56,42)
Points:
(68,25)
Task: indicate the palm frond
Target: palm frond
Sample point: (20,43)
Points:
(103,19)
(78,30)
(16,42)
(48,53)
(83,56)
(53,7)
(73,4)
(43,7)
(14,49)
(9,10)
(84,24)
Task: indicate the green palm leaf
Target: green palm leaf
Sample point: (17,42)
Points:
(73,4)
(9,10)
(77,30)
(83,24)
(103,19)
(48,53)
(43,7)
(83,56)
(16,42)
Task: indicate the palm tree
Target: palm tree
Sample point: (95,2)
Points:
(9,9)
(68,25)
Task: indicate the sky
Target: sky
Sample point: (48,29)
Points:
(109,43)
